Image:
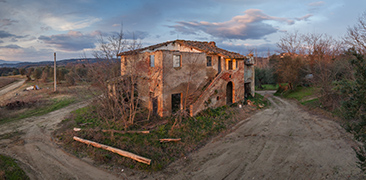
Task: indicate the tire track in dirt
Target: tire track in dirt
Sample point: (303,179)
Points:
(39,156)
(281,142)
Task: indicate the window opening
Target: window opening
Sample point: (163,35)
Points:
(209,61)
(177,61)
(152,60)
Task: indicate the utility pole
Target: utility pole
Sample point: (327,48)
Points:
(54,73)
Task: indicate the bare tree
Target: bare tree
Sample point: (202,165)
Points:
(291,43)
(323,54)
(356,35)
(118,102)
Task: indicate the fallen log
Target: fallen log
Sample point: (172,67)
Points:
(116,131)
(170,140)
(115,150)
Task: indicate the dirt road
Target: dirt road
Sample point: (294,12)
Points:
(11,87)
(30,143)
(281,142)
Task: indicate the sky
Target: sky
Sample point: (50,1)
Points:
(32,30)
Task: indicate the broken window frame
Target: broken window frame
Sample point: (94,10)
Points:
(209,61)
(175,64)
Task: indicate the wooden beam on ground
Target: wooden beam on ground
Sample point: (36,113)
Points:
(170,140)
(115,150)
(115,131)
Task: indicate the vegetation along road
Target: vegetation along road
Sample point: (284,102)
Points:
(281,142)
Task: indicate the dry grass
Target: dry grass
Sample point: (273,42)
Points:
(6,81)
(21,104)
(194,133)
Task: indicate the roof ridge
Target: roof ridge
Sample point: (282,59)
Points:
(207,47)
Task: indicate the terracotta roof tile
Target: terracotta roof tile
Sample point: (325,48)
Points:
(207,47)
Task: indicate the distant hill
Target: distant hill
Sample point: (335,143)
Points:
(11,64)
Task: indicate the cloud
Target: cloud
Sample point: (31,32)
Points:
(304,18)
(252,25)
(72,41)
(64,24)
(6,22)
(4,34)
(314,4)
(10,46)
(261,49)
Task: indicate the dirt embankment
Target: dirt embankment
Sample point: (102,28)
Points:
(281,142)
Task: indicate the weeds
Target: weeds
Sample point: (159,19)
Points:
(37,110)
(9,169)
(194,132)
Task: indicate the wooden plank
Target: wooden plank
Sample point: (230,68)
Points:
(116,131)
(115,150)
(170,140)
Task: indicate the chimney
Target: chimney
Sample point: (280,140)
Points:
(212,43)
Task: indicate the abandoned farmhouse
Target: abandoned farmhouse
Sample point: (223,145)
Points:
(189,75)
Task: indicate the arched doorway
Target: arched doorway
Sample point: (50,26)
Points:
(229,93)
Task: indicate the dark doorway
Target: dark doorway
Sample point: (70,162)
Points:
(219,65)
(176,102)
(248,90)
(155,106)
(229,93)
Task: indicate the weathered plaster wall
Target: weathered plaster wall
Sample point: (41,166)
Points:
(189,77)
(205,86)
(215,94)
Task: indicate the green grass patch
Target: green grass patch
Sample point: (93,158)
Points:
(299,93)
(52,105)
(9,169)
(267,87)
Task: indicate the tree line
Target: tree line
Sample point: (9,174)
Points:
(337,67)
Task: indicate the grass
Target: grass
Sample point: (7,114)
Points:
(9,169)
(267,87)
(52,105)
(300,93)
(6,81)
(259,100)
(194,133)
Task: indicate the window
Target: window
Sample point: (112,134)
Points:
(230,64)
(237,64)
(209,61)
(152,60)
(176,60)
